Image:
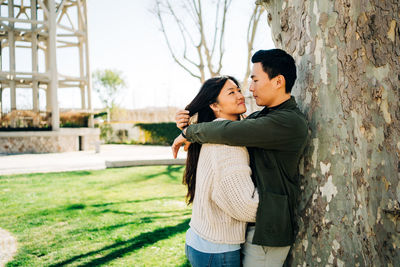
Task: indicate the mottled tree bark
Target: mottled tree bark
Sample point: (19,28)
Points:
(348,58)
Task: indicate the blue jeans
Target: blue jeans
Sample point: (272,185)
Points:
(201,259)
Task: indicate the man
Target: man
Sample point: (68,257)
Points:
(275,138)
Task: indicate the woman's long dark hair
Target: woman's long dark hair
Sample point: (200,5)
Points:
(207,95)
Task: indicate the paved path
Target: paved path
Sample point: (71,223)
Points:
(110,155)
(8,247)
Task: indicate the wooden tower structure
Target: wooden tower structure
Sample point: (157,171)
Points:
(34,33)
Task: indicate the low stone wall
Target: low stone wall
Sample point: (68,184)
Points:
(64,140)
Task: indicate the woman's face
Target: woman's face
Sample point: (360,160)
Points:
(230,102)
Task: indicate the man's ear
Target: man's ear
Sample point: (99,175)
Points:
(280,81)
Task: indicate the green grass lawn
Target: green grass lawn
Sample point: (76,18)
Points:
(115,217)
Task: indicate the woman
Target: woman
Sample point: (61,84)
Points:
(218,181)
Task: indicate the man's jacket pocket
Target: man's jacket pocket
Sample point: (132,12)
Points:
(273,222)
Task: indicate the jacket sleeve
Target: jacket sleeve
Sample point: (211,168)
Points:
(281,130)
(233,190)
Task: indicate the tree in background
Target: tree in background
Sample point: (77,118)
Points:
(108,85)
(200,50)
(348,58)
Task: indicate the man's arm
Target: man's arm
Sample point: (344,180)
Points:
(283,130)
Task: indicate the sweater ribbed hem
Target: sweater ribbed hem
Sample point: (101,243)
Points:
(225,234)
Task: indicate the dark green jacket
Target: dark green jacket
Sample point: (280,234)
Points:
(275,138)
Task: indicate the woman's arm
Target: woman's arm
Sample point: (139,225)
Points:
(233,190)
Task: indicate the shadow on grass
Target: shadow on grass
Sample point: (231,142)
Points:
(136,201)
(147,219)
(72,208)
(171,172)
(185,264)
(119,249)
(136,213)
(76,207)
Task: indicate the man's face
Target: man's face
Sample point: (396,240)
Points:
(264,89)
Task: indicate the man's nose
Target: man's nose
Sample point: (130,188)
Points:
(251,88)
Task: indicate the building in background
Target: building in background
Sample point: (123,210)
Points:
(32,33)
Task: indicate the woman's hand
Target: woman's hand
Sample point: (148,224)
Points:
(177,144)
(182,118)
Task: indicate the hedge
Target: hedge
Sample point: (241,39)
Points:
(74,119)
(162,133)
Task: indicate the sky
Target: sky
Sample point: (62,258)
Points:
(126,36)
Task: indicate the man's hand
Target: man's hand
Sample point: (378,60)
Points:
(187,144)
(177,144)
(182,118)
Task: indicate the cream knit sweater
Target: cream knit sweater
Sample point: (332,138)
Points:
(225,197)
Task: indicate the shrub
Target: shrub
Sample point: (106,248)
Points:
(106,132)
(74,119)
(163,133)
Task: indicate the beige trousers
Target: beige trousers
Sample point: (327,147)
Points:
(257,256)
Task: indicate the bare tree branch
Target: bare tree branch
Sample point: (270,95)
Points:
(203,41)
(158,13)
(201,68)
(251,33)
(183,32)
(183,25)
(188,6)
(227,3)
(198,37)
(216,27)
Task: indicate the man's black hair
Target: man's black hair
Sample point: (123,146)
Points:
(277,62)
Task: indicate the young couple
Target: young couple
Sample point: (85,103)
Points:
(242,175)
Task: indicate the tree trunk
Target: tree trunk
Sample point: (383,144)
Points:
(348,58)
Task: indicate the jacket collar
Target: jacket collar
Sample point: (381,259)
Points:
(288,104)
